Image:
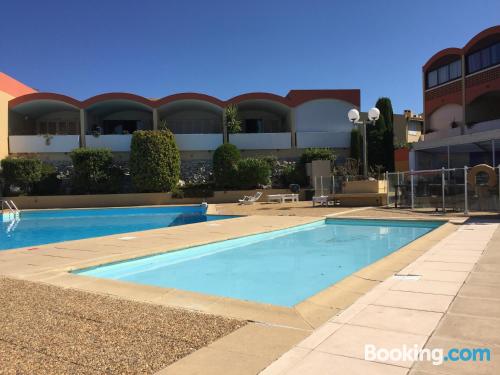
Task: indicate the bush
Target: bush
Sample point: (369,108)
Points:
(293,174)
(49,184)
(93,172)
(155,162)
(22,172)
(198,190)
(225,166)
(311,154)
(193,191)
(253,172)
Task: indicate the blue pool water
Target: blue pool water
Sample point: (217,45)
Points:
(42,227)
(282,267)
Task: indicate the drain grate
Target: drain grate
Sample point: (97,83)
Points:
(407,277)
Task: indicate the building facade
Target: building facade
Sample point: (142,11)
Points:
(461,94)
(50,125)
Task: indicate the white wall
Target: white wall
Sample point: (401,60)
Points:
(261,141)
(19,144)
(115,142)
(442,117)
(323,123)
(198,142)
(185,142)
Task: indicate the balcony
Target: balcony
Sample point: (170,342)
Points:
(198,142)
(261,141)
(115,142)
(21,144)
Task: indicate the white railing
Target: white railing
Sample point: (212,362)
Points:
(13,213)
(115,142)
(261,141)
(323,139)
(21,144)
(185,142)
(198,142)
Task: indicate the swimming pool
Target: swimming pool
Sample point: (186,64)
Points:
(48,226)
(283,267)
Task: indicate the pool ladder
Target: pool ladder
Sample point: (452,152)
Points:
(11,206)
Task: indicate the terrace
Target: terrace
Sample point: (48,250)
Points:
(233,336)
(44,125)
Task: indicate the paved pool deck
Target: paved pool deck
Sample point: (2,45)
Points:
(271,330)
(454,303)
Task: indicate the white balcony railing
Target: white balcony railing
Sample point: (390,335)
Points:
(198,142)
(261,141)
(323,139)
(115,142)
(20,144)
(185,142)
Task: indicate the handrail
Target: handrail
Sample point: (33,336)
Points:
(11,206)
(14,205)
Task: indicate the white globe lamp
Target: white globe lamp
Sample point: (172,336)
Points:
(353,115)
(373,114)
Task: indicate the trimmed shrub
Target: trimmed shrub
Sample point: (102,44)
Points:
(194,191)
(93,172)
(311,154)
(155,162)
(253,172)
(49,184)
(225,165)
(21,172)
(198,190)
(294,174)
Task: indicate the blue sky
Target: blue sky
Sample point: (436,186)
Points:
(225,48)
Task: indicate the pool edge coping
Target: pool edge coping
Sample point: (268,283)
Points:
(304,318)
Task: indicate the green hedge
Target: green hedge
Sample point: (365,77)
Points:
(194,191)
(293,174)
(49,184)
(155,161)
(311,154)
(225,166)
(21,172)
(94,172)
(253,172)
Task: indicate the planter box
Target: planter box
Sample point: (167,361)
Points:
(365,186)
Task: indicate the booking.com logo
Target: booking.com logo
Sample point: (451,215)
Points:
(436,355)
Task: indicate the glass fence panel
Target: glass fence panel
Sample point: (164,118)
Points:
(483,189)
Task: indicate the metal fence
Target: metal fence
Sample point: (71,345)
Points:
(446,189)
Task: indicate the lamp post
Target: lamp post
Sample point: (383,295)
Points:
(354,117)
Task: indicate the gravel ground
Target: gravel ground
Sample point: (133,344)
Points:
(50,330)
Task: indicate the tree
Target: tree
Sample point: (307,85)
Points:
(356,144)
(385,107)
(375,140)
(155,161)
(233,122)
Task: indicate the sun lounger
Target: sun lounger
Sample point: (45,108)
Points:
(250,199)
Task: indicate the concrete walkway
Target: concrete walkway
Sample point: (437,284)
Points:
(454,302)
